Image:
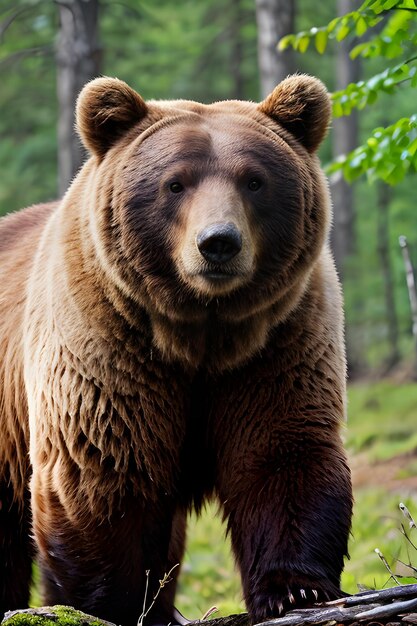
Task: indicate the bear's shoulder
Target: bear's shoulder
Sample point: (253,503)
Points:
(15,227)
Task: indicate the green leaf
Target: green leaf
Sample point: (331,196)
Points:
(404,141)
(357,160)
(361,26)
(359,50)
(412,148)
(337,109)
(321,41)
(303,44)
(372,142)
(405,156)
(333,24)
(389,153)
(396,175)
(378,7)
(350,174)
(343,32)
(407,580)
(286,42)
(390,4)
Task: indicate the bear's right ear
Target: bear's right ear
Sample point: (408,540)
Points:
(106,109)
(301,104)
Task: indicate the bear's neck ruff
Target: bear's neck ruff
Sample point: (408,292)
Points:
(218,342)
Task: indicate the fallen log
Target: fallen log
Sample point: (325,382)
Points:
(395,606)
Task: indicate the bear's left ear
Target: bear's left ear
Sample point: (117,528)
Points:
(301,104)
(106,109)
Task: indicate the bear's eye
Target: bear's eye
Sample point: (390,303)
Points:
(176,187)
(254,184)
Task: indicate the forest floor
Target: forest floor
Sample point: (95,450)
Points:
(396,475)
(381,439)
(382,435)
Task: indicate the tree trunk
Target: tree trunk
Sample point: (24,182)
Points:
(275,19)
(345,139)
(412,294)
(78,61)
(237,49)
(383,202)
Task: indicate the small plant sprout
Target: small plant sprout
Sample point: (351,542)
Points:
(410,545)
(164,581)
(407,515)
(385,562)
(406,534)
(209,612)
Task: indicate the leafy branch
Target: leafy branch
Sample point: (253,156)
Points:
(391,152)
(369,14)
(360,94)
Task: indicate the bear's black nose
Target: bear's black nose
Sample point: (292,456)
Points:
(219,243)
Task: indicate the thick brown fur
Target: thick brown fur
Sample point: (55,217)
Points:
(139,376)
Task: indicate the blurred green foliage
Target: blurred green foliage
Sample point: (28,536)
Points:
(363,285)
(164,50)
(382,419)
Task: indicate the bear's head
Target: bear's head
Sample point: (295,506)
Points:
(209,217)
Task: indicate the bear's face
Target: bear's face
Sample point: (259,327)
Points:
(213,208)
(229,201)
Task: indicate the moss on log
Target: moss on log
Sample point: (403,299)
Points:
(51,616)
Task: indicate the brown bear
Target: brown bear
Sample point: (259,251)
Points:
(172,331)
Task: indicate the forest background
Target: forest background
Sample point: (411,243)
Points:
(211,50)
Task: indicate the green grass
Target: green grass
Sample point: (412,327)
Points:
(208,576)
(382,419)
(376,524)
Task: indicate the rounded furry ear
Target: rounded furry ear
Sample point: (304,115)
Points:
(106,109)
(301,104)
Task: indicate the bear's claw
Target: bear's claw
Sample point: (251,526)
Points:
(278,596)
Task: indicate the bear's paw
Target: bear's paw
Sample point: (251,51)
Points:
(280,592)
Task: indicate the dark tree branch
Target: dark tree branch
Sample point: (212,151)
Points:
(129,9)
(8,21)
(23,54)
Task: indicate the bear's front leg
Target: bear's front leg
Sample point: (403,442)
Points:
(284,483)
(289,518)
(110,566)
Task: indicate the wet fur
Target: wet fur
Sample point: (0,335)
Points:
(132,389)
